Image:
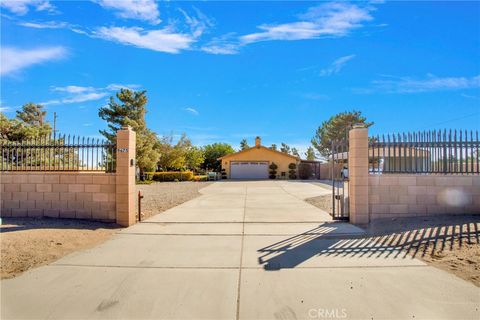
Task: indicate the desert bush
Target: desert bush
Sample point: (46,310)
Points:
(305,171)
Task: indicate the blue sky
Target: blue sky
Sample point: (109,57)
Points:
(223,71)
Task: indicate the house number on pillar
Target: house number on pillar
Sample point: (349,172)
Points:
(122,150)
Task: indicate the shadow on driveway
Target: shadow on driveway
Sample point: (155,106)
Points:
(414,238)
(23,224)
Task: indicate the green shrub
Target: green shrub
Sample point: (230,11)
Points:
(305,171)
(292,173)
(170,176)
(224,174)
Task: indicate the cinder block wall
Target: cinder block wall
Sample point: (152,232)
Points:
(326,170)
(404,195)
(81,195)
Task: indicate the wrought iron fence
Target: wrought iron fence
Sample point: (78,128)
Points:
(428,152)
(63,153)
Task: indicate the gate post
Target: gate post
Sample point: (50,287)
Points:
(125,177)
(358,174)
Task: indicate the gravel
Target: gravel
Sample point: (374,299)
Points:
(322,202)
(161,196)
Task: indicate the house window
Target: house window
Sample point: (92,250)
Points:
(283,174)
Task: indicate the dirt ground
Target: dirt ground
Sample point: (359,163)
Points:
(322,202)
(158,197)
(450,243)
(31,242)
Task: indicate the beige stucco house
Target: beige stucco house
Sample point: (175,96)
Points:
(254,162)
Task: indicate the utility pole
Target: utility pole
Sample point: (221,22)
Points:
(54,125)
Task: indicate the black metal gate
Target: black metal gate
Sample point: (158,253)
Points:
(339,174)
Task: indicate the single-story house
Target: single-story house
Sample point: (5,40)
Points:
(390,159)
(254,162)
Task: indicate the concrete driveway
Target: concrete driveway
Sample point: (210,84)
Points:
(242,250)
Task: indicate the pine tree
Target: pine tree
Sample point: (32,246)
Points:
(32,114)
(285,148)
(244,144)
(130,111)
(310,154)
(335,129)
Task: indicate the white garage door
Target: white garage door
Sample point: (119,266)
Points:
(248,170)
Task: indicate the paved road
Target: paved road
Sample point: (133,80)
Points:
(242,250)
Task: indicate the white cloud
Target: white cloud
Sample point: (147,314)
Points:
(334,19)
(45,25)
(5,109)
(192,111)
(53,25)
(224,44)
(76,98)
(77,94)
(167,39)
(91,96)
(336,66)
(468,96)
(163,40)
(197,24)
(73,89)
(15,59)
(146,10)
(117,86)
(21,7)
(221,49)
(430,83)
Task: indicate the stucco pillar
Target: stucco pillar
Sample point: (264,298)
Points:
(125,177)
(358,174)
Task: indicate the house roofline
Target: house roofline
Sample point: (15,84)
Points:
(246,150)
